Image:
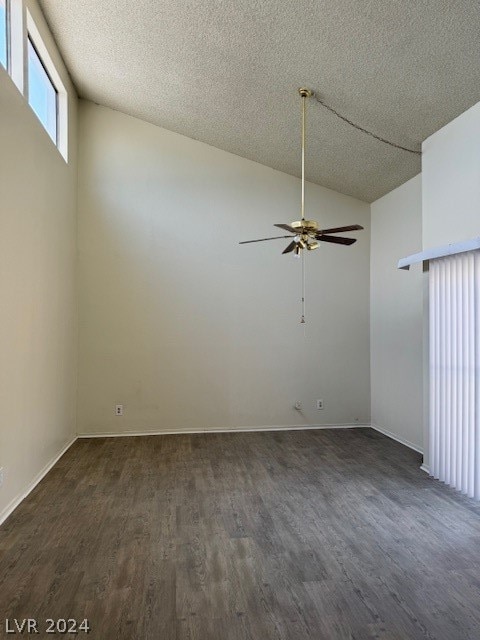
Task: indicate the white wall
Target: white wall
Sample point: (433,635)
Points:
(185,327)
(37,288)
(451,181)
(396,315)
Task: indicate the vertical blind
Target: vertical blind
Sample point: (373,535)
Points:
(454,283)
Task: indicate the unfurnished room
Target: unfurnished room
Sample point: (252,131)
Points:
(240,319)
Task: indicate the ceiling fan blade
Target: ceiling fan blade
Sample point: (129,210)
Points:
(352,227)
(290,247)
(286,227)
(264,239)
(336,240)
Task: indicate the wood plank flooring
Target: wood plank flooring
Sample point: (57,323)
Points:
(282,535)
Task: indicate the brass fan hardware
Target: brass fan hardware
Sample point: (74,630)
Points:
(306,234)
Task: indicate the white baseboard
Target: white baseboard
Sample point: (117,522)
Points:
(388,433)
(425,467)
(167,432)
(18,499)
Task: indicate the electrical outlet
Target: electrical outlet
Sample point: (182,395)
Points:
(1,476)
(298,405)
(319,404)
(119,409)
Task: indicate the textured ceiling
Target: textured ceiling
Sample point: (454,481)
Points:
(226,72)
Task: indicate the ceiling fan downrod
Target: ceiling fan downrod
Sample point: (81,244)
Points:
(304,93)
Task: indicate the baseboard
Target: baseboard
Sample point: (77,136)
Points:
(388,433)
(16,501)
(425,467)
(167,432)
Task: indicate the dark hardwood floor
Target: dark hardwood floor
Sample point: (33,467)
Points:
(290,535)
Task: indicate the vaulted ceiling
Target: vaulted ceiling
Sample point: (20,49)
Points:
(226,72)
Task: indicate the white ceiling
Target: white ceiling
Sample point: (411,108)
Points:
(226,72)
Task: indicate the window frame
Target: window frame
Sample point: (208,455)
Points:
(31,42)
(32,35)
(7,37)
(16,21)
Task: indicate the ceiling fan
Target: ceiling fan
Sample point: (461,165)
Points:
(305,234)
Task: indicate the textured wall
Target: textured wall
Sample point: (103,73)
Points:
(37,288)
(396,315)
(182,325)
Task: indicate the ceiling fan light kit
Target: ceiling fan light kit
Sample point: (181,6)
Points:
(305,233)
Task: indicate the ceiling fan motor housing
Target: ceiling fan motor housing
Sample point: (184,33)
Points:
(307,225)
